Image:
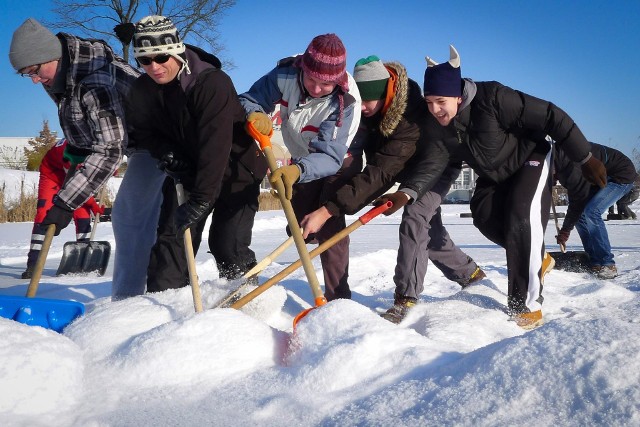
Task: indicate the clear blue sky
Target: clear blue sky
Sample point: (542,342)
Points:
(581,55)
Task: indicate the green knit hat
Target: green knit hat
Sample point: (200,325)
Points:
(371,76)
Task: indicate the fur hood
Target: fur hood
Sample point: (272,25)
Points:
(398,105)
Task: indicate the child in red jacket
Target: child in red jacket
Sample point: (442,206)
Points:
(53,170)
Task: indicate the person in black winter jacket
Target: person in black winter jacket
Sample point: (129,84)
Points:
(390,135)
(587,204)
(501,134)
(186,112)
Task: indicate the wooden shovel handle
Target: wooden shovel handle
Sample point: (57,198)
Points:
(42,258)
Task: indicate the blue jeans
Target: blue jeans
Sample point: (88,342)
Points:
(135,221)
(591,228)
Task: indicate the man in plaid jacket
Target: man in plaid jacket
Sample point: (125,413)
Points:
(88,83)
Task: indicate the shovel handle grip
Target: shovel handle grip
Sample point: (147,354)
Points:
(263,140)
(375,212)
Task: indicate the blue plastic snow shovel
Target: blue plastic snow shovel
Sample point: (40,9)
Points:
(48,313)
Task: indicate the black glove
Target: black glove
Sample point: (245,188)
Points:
(398,200)
(124,32)
(175,167)
(60,215)
(189,214)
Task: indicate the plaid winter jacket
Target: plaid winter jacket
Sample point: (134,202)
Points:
(91,112)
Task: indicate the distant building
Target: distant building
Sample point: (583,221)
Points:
(462,189)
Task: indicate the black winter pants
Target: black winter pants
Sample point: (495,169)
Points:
(514,215)
(229,239)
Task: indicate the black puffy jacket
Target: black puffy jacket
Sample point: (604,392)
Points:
(199,118)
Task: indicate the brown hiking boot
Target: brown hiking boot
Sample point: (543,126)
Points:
(605,272)
(476,276)
(528,320)
(400,308)
(547,265)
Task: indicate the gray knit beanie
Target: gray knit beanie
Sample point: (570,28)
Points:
(371,76)
(33,44)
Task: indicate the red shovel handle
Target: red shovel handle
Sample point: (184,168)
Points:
(263,140)
(374,212)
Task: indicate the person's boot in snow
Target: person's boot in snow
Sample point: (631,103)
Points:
(528,320)
(476,276)
(28,273)
(401,306)
(605,272)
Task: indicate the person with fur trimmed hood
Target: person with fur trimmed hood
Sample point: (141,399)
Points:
(185,111)
(88,83)
(320,111)
(391,137)
(502,134)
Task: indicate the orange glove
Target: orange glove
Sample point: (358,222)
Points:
(261,122)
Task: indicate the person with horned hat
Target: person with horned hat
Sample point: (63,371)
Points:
(320,111)
(185,111)
(501,133)
(390,134)
(88,82)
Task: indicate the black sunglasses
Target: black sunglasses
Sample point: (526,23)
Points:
(158,59)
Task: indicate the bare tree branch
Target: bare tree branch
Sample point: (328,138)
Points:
(196,20)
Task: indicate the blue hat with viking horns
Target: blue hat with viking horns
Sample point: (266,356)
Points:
(443,79)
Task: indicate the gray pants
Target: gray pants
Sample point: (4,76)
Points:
(423,237)
(135,220)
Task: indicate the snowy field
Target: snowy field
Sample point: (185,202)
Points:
(455,360)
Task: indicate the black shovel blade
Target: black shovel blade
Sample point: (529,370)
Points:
(84,257)
(573,261)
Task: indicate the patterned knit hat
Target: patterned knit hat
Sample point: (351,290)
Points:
(326,60)
(371,76)
(157,35)
(33,44)
(443,79)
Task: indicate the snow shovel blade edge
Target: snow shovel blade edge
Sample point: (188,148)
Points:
(84,257)
(48,313)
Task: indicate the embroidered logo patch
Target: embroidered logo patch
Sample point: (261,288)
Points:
(533,163)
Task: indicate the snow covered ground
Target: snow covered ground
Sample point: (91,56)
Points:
(455,360)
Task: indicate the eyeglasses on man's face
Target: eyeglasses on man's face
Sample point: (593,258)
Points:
(158,59)
(31,73)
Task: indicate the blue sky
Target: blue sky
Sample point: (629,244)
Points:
(583,56)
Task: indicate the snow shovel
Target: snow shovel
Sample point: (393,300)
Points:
(265,145)
(191,259)
(314,253)
(86,257)
(255,270)
(48,313)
